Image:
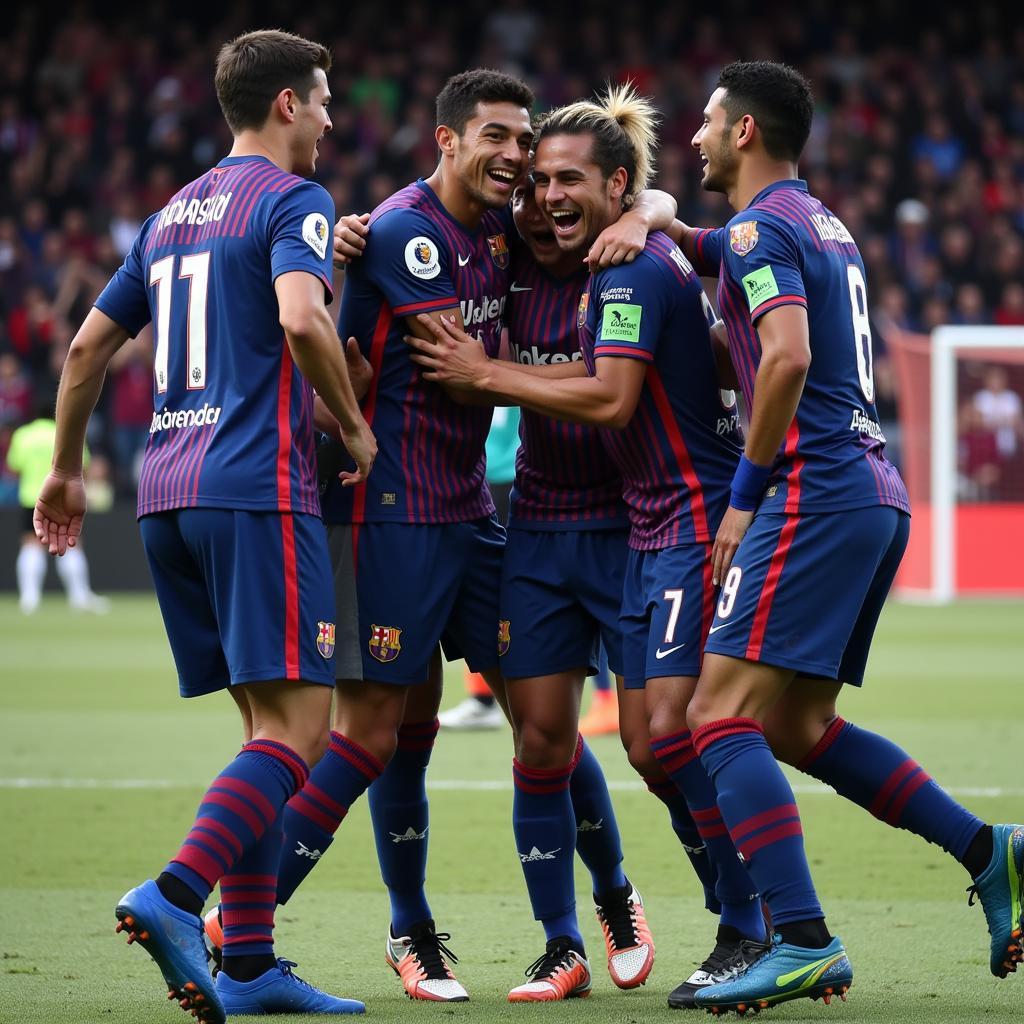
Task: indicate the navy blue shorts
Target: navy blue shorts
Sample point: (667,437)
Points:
(667,604)
(560,598)
(416,585)
(246,597)
(805,590)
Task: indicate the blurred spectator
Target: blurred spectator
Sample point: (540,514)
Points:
(979,462)
(1001,411)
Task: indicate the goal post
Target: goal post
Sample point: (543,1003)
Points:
(967,537)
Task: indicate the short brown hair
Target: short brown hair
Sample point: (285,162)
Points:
(457,101)
(253,68)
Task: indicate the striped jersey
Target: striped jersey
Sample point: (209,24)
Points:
(565,478)
(430,449)
(678,453)
(786,248)
(232,417)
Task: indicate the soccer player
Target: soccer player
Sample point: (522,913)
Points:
(816,526)
(649,371)
(233,272)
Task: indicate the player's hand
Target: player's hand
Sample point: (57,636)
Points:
(362,446)
(620,242)
(360,372)
(735,524)
(350,238)
(60,507)
(452,357)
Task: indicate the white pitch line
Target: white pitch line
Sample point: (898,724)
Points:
(450,785)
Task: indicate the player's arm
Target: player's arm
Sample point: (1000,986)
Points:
(60,508)
(606,399)
(727,377)
(313,342)
(622,241)
(701,246)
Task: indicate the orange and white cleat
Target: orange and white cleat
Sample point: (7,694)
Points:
(626,936)
(419,961)
(213,929)
(603,717)
(561,973)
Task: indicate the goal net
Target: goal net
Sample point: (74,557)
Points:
(960,395)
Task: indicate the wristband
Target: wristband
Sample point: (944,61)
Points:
(748,484)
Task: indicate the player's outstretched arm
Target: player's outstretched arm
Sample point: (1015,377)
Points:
(606,399)
(785,359)
(313,342)
(624,240)
(59,510)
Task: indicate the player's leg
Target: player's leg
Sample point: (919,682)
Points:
(30,566)
(478,710)
(399,809)
(806,731)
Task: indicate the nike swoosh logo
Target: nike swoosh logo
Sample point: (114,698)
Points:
(715,629)
(810,973)
(659,653)
(463,260)
(517,288)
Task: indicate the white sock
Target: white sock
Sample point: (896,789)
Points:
(31,570)
(73,570)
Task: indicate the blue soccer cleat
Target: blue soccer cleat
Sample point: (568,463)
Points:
(785,972)
(174,939)
(1000,887)
(279,991)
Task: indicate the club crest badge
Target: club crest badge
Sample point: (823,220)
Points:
(581,312)
(743,237)
(325,639)
(385,642)
(504,636)
(499,250)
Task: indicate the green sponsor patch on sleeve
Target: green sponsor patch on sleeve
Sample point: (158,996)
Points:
(760,285)
(621,322)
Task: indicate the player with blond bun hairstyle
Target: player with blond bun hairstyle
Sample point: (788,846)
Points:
(649,372)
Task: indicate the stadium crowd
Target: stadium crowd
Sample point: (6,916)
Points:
(918,145)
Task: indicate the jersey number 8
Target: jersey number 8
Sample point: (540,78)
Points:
(861,330)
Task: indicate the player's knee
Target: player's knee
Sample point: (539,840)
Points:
(544,744)
(701,710)
(638,753)
(667,720)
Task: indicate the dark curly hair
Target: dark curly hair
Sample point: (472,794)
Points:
(778,98)
(456,103)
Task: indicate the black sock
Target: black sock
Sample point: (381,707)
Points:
(175,891)
(727,933)
(486,699)
(248,968)
(979,853)
(810,934)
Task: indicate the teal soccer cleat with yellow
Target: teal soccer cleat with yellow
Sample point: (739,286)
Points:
(1000,888)
(785,972)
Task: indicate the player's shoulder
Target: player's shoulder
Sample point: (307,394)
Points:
(409,205)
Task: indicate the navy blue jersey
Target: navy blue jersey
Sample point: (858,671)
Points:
(233,419)
(430,458)
(565,479)
(679,451)
(786,248)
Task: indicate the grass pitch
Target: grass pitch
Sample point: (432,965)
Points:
(101,767)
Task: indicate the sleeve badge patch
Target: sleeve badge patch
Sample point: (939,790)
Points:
(315,232)
(499,250)
(385,642)
(760,286)
(743,237)
(621,322)
(421,258)
(325,639)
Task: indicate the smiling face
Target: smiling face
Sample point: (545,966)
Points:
(577,200)
(714,142)
(533,227)
(490,157)
(311,123)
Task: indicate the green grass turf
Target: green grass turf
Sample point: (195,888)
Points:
(95,699)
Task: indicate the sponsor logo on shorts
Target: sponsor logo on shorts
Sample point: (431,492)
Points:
(325,638)
(385,642)
(504,636)
(721,625)
(659,653)
(409,835)
(536,854)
